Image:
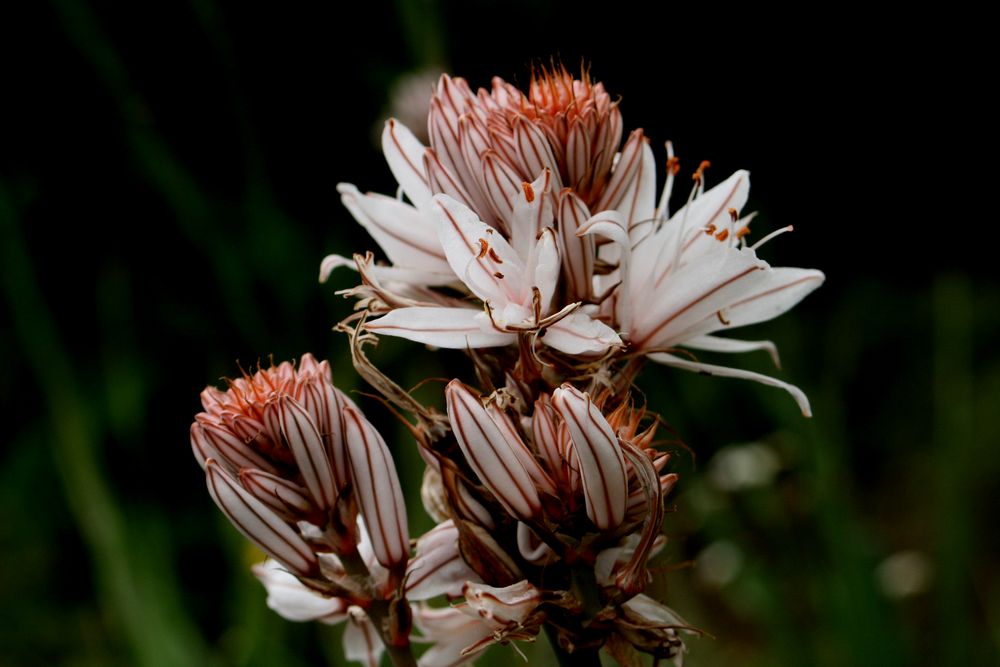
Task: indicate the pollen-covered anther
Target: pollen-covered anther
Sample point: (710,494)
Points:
(699,173)
(529,192)
(722,235)
(673,165)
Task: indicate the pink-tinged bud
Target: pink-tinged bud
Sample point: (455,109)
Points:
(538,475)
(545,433)
(437,568)
(211,440)
(259,524)
(298,429)
(490,455)
(377,489)
(602,464)
(286,499)
(324,402)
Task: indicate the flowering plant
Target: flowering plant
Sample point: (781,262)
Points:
(525,236)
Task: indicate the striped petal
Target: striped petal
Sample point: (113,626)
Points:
(287,596)
(377,489)
(405,155)
(489,453)
(437,567)
(454,328)
(299,430)
(259,524)
(723,371)
(602,464)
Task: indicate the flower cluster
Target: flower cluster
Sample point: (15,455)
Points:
(529,236)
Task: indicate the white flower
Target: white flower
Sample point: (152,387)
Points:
(515,280)
(687,276)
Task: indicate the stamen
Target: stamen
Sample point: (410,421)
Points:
(770,236)
(673,166)
(529,192)
(495,257)
(497,274)
(723,235)
(484,247)
(722,318)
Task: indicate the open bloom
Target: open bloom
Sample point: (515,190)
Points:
(516,287)
(684,277)
(614,272)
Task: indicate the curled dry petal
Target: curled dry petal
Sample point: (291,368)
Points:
(602,464)
(503,607)
(258,523)
(377,489)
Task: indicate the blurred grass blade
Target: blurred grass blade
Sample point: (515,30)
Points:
(74,436)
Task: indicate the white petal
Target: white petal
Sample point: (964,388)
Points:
(361,641)
(532,212)
(779,290)
(717,344)
(723,371)
(478,255)
(693,293)
(408,237)
(405,155)
(289,598)
(639,201)
(455,328)
(438,567)
(578,252)
(578,333)
(543,267)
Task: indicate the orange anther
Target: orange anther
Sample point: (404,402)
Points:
(495,257)
(529,192)
(484,247)
(723,235)
(673,165)
(710,229)
(497,274)
(734,214)
(742,231)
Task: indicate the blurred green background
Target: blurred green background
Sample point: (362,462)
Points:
(166,195)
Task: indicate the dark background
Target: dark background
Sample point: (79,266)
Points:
(168,190)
